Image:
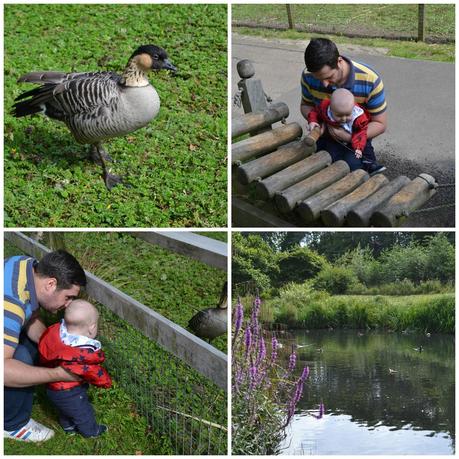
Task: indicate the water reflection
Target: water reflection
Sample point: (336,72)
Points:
(381,395)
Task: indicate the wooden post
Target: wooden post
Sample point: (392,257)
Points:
(409,198)
(267,188)
(360,215)
(310,209)
(421,22)
(257,120)
(252,95)
(264,143)
(335,214)
(289,16)
(287,199)
(268,164)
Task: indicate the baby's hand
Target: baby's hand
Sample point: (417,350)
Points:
(358,154)
(313,125)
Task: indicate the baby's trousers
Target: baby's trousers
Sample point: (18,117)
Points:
(75,410)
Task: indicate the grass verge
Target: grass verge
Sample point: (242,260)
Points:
(394,48)
(298,307)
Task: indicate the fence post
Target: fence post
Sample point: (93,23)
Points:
(289,15)
(421,22)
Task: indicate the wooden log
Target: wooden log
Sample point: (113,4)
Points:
(253,121)
(335,214)
(287,177)
(264,143)
(287,199)
(313,136)
(360,215)
(246,215)
(269,164)
(310,209)
(409,198)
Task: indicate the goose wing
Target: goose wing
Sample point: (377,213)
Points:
(63,95)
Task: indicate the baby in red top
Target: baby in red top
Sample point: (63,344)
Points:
(72,345)
(342,111)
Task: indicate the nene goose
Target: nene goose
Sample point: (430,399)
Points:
(212,322)
(96,106)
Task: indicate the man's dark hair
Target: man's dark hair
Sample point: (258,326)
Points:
(321,52)
(63,267)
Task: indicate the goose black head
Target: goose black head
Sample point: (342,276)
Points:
(152,57)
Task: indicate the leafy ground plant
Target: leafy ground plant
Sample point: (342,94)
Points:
(175,168)
(264,394)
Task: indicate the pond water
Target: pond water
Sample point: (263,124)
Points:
(381,395)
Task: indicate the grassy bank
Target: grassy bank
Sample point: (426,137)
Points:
(309,309)
(394,48)
(174,168)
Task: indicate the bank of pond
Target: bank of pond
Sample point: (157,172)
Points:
(300,309)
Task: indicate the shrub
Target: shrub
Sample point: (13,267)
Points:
(335,280)
(298,265)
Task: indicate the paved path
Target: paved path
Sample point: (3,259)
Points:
(420,136)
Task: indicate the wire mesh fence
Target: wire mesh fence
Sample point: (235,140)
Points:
(183,408)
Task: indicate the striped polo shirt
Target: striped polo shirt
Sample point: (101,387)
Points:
(363,82)
(20,299)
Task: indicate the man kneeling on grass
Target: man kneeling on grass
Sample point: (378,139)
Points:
(51,283)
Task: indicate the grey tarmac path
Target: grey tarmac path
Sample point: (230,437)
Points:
(420,97)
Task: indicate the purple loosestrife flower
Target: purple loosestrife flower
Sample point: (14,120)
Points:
(261,351)
(296,395)
(292,361)
(321,411)
(239,317)
(253,376)
(248,341)
(274,346)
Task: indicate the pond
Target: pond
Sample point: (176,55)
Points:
(381,395)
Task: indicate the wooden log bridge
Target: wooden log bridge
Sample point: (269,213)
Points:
(280,178)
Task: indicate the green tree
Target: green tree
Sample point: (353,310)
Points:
(298,265)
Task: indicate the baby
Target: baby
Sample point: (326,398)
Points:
(342,111)
(71,345)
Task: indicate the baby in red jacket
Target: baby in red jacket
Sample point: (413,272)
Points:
(71,344)
(342,111)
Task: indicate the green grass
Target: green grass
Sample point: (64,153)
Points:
(175,168)
(147,378)
(387,19)
(298,306)
(394,48)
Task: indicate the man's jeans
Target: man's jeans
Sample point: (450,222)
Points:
(18,401)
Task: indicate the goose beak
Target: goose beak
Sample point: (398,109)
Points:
(167,65)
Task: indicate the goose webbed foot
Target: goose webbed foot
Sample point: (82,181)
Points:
(111,180)
(97,153)
(101,157)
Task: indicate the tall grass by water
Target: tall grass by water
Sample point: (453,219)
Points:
(299,306)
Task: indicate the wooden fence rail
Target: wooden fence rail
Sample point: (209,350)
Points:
(201,356)
(209,251)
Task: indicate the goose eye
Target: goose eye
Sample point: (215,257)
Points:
(155,56)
